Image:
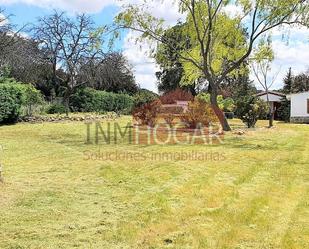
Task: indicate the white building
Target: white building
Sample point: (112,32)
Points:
(299,107)
(275,99)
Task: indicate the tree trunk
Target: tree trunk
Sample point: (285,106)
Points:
(270,119)
(271,122)
(67,107)
(66,100)
(29,110)
(222,119)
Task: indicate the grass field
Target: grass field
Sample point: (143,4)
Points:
(256,196)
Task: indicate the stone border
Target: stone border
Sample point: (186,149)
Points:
(300,120)
(63,118)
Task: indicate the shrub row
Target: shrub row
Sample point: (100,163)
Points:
(90,100)
(11,100)
(13,96)
(55,109)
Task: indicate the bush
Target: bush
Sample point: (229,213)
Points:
(148,114)
(56,109)
(284,111)
(143,97)
(199,112)
(11,100)
(172,110)
(250,110)
(176,95)
(123,103)
(168,118)
(91,100)
(32,97)
(16,97)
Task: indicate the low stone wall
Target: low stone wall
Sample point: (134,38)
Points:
(63,118)
(300,120)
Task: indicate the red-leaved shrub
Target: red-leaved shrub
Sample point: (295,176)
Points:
(199,112)
(148,113)
(176,95)
(168,118)
(172,110)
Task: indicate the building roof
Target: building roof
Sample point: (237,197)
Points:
(271,92)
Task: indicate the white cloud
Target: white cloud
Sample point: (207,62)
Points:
(144,66)
(138,54)
(166,9)
(90,6)
(2,20)
(291,48)
(295,56)
(232,10)
(294,53)
(291,32)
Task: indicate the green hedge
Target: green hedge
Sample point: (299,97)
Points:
(55,109)
(14,95)
(90,100)
(143,97)
(11,100)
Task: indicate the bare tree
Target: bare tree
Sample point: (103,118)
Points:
(218,48)
(111,73)
(263,73)
(69,44)
(9,34)
(5,29)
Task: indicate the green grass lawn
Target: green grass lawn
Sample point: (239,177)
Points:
(54,198)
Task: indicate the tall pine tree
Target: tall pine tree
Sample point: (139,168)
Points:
(284,111)
(288,82)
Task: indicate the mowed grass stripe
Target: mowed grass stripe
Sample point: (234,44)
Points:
(53,198)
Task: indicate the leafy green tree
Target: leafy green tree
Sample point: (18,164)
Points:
(296,83)
(300,83)
(169,78)
(225,104)
(238,86)
(172,72)
(219,46)
(31,97)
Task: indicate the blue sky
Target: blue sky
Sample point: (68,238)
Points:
(294,53)
(25,13)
